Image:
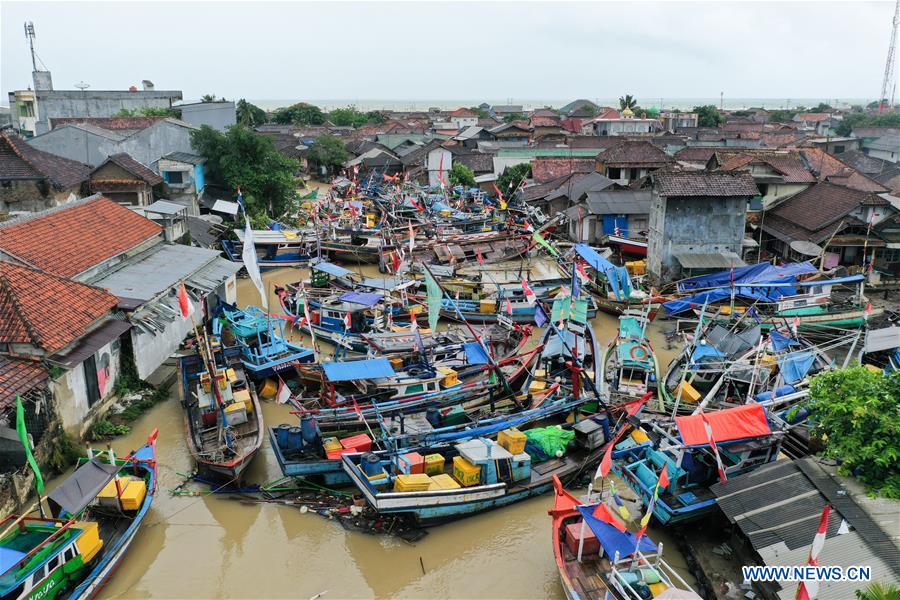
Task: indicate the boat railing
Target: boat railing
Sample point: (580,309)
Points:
(638,560)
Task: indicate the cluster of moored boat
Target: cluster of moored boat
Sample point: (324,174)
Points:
(428,392)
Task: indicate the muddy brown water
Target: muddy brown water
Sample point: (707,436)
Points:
(213,547)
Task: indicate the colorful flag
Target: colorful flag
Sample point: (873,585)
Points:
(808,590)
(348,321)
(529,293)
(662,482)
(248,255)
(602,513)
(413,322)
(579,266)
(184,302)
(576,285)
(509,309)
(715,449)
(537,237)
(23,435)
(395,258)
(606,462)
(479,257)
(435,294)
(540,318)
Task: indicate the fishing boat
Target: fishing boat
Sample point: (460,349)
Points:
(599,559)
(269,352)
(612,286)
(630,368)
(244,323)
(96,515)
(745,438)
(222,414)
(274,248)
(482,473)
(635,246)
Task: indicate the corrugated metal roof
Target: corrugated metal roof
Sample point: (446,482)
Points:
(149,274)
(212,275)
(163,207)
(708,260)
(886,338)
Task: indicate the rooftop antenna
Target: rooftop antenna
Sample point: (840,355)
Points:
(29,34)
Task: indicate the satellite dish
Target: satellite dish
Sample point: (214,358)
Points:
(82,85)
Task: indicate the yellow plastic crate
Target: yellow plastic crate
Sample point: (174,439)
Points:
(89,542)
(688,392)
(443,482)
(434,464)
(244,396)
(418,482)
(657,588)
(639,436)
(450,377)
(331,443)
(513,440)
(465,472)
(488,306)
(133,495)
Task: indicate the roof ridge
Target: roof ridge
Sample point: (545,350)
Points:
(19,153)
(49,211)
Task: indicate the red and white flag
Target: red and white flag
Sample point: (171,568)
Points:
(606,462)
(868,311)
(413,323)
(184,302)
(529,293)
(715,449)
(348,321)
(284,393)
(479,257)
(808,590)
(508,307)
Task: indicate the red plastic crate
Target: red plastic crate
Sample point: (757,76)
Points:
(591,543)
(357,443)
(412,463)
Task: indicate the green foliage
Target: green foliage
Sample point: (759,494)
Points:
(147,401)
(208,98)
(875,104)
(879,590)
(512,176)
(462,175)
(249,115)
(299,114)
(856,417)
(375,116)
(482,114)
(741,113)
(149,111)
(510,117)
(348,117)
(103,429)
(708,116)
(821,107)
(781,116)
(851,121)
(241,157)
(62,451)
(627,101)
(328,150)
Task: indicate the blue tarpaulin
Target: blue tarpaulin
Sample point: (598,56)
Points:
(475,354)
(364,298)
(372,368)
(781,341)
(705,351)
(613,540)
(593,258)
(331,269)
(673,307)
(751,274)
(618,278)
(796,365)
(9,558)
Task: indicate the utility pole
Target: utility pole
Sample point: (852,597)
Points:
(29,35)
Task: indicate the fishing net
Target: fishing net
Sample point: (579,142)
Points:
(552,440)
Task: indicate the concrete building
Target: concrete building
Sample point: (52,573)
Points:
(697,222)
(33,180)
(631,160)
(124,180)
(92,141)
(624,123)
(184,179)
(673,121)
(219,115)
(463,117)
(33,109)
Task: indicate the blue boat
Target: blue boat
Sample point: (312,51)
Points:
(268,353)
(245,323)
(744,438)
(274,249)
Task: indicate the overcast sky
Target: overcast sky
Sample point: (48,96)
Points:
(420,50)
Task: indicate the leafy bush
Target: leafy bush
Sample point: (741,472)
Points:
(857,420)
(462,175)
(104,429)
(879,591)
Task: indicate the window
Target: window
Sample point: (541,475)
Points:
(69,554)
(173,177)
(52,563)
(614,172)
(839,149)
(26,109)
(37,576)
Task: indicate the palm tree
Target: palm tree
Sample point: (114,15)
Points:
(208,98)
(879,591)
(628,101)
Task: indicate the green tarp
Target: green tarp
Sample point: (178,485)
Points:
(570,310)
(552,440)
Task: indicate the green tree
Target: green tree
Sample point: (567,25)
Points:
(375,116)
(856,417)
(510,117)
(741,113)
(148,111)
(879,591)
(328,150)
(242,157)
(347,117)
(627,101)
(781,115)
(822,107)
(208,98)
(482,114)
(853,120)
(249,115)
(462,175)
(875,104)
(299,114)
(512,176)
(708,116)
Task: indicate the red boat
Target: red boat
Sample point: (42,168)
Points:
(628,245)
(610,565)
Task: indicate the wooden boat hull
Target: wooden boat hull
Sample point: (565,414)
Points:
(350,253)
(294,259)
(617,308)
(628,246)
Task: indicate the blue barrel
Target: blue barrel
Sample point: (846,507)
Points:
(371,464)
(603,421)
(310,430)
(295,438)
(281,435)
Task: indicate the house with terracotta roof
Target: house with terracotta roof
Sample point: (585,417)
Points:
(98,242)
(124,180)
(838,221)
(31,179)
(463,117)
(612,122)
(631,160)
(697,222)
(778,174)
(64,338)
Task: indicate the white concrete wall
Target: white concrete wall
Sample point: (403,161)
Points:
(150,351)
(70,390)
(435,166)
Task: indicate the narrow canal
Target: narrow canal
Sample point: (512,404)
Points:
(213,547)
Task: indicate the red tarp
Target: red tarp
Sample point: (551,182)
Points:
(738,423)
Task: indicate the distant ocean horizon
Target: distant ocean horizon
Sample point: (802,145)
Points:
(530,104)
